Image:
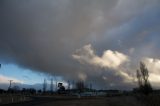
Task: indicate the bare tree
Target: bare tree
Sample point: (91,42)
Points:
(139,78)
(143,82)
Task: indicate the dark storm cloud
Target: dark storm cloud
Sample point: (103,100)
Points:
(43,35)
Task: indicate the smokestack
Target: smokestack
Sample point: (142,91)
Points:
(90,86)
(56,83)
(10,84)
(44,85)
(73,84)
(69,85)
(51,86)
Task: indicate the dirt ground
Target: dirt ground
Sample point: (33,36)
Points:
(74,101)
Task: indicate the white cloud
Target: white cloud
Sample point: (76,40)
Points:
(109,59)
(154,78)
(153,66)
(113,61)
(118,63)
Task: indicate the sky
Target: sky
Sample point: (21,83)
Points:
(20,75)
(96,41)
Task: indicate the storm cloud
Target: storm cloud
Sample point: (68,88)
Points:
(45,36)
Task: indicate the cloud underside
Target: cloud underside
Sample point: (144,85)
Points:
(51,36)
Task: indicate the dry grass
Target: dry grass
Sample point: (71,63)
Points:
(6,99)
(98,101)
(151,100)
